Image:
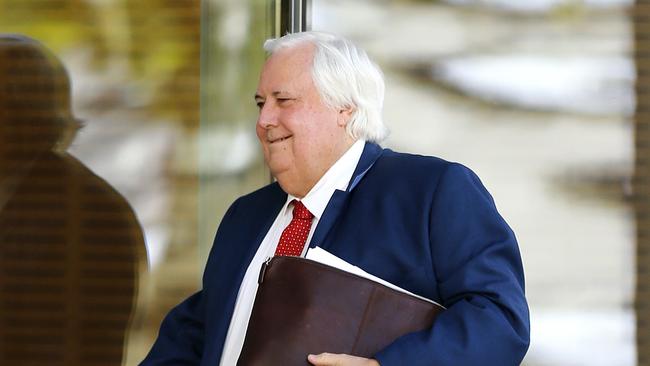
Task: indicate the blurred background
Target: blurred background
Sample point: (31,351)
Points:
(538,97)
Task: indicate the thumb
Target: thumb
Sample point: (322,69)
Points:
(322,359)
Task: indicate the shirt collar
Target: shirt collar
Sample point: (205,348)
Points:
(335,178)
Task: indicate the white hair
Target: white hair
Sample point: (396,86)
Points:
(345,77)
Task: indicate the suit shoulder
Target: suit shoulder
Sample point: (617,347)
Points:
(416,173)
(269,190)
(269,195)
(430,165)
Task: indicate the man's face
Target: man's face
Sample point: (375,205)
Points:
(301,136)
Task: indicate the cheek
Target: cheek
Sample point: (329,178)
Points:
(261,135)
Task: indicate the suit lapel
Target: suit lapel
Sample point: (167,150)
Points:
(339,199)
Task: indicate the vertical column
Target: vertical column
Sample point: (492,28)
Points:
(290,16)
(642,178)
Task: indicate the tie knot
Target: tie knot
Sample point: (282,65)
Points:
(300,211)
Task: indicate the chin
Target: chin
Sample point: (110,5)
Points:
(291,189)
(287,181)
(277,168)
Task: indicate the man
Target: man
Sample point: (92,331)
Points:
(422,223)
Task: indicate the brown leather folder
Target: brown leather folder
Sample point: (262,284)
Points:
(304,307)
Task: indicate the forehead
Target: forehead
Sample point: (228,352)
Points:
(287,69)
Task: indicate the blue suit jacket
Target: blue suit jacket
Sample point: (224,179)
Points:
(422,223)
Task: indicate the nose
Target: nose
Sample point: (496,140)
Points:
(268,116)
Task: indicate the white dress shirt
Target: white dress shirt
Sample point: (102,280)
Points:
(337,177)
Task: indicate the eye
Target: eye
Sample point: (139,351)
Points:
(259,104)
(284,100)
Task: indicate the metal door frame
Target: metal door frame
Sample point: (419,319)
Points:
(289,16)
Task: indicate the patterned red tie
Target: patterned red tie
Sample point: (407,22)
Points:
(295,234)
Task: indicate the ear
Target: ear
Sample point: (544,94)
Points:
(345,114)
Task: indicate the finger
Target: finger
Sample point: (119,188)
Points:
(323,359)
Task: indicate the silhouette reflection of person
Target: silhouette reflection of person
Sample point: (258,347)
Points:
(71,247)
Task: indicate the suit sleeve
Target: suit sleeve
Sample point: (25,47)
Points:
(480,280)
(181,337)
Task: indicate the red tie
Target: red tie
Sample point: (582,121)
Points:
(295,234)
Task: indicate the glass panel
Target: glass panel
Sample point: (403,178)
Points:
(78,201)
(231,162)
(85,186)
(536,97)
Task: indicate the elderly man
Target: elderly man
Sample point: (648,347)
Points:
(422,223)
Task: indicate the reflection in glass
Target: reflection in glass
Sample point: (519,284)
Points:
(135,70)
(71,247)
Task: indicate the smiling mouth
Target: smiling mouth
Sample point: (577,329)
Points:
(279,139)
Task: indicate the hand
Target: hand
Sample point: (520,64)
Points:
(331,359)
